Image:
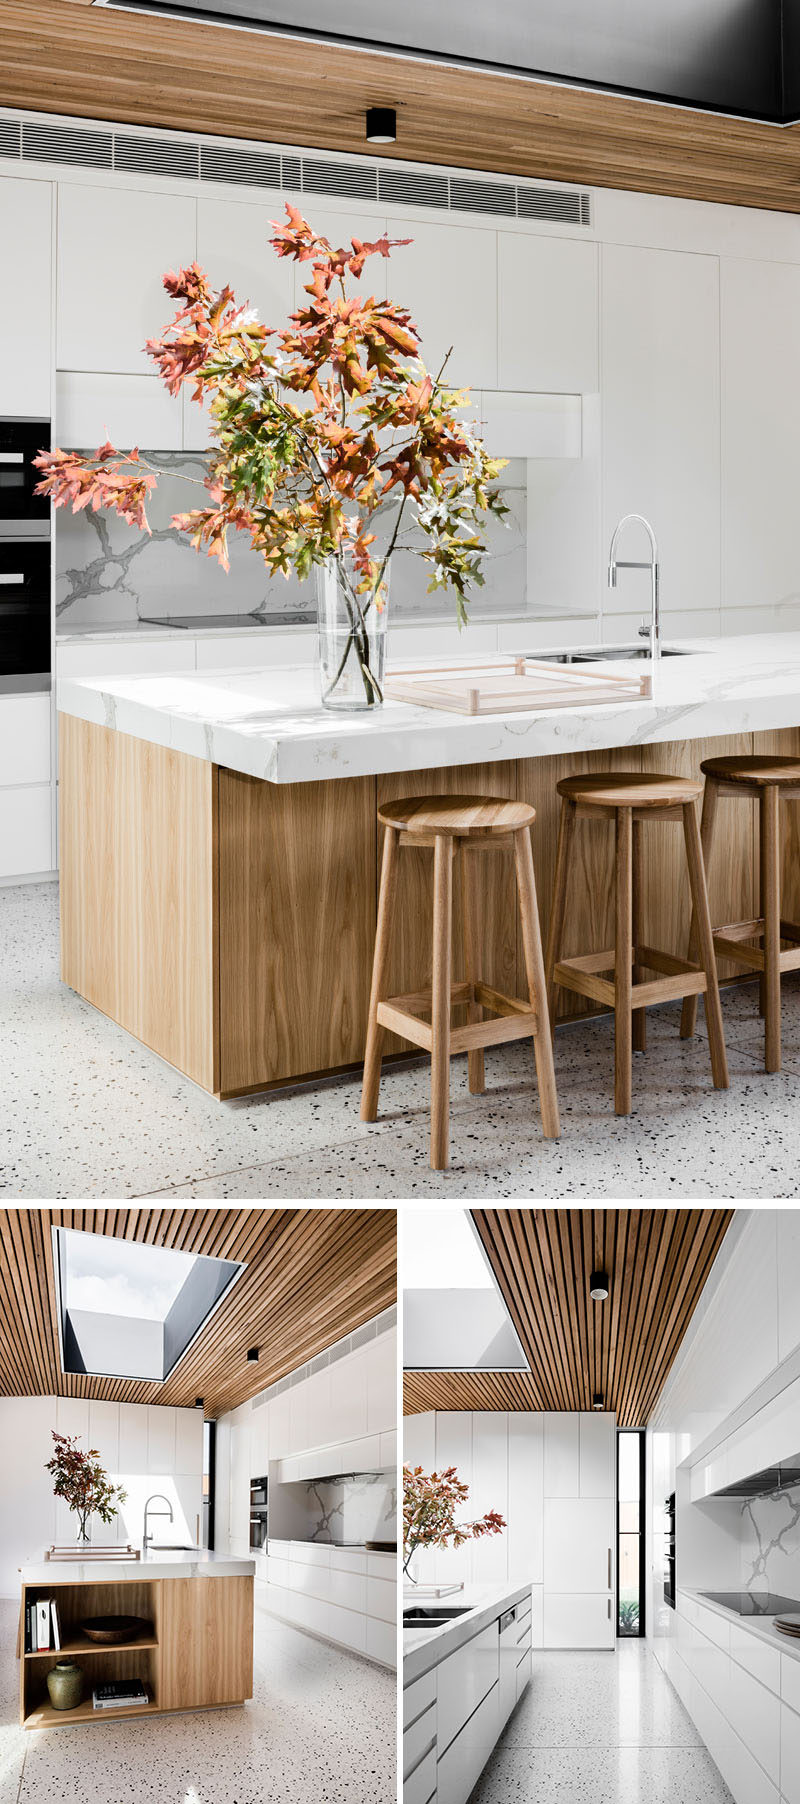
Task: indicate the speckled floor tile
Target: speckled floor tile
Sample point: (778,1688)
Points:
(602,1776)
(85,1111)
(320,1729)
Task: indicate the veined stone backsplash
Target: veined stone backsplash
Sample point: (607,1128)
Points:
(362,1508)
(108,573)
(771,1543)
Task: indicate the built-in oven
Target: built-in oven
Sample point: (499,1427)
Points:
(259,1494)
(669,1551)
(22,511)
(24,614)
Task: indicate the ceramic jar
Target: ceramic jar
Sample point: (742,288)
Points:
(65,1685)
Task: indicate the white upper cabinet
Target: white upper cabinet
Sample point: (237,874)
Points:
(25,298)
(525,1482)
(128,410)
(597,1449)
(188,1442)
(760,307)
(132,1439)
(548,314)
(561,1454)
(381,1383)
(447,278)
(233,247)
(348,1404)
(661,412)
(114,246)
(160,1440)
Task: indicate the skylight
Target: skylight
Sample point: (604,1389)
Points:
(129,1310)
(454,1315)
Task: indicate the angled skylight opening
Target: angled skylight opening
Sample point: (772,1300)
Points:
(130,1310)
(454,1315)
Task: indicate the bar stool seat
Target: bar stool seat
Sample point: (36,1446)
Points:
(632,798)
(770,780)
(465,825)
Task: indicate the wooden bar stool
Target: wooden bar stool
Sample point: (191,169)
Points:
(467,825)
(767,779)
(630,799)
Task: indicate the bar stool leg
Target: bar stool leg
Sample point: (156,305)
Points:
(380,962)
(472,940)
(707,959)
(537,989)
(440,1001)
(710,799)
(639,1028)
(623,972)
(555,931)
(771,909)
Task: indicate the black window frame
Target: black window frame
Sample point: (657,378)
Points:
(642,1629)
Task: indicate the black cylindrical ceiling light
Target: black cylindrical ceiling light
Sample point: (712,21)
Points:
(381,125)
(597,1400)
(252,1355)
(598,1287)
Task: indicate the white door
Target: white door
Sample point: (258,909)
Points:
(760,307)
(573,1620)
(578,1544)
(25,298)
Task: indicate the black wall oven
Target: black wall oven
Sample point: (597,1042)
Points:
(21,510)
(25,560)
(259,1494)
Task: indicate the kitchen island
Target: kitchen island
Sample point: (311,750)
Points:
(461,1682)
(220,850)
(194,1651)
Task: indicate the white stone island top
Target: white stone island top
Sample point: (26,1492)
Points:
(167,1562)
(271,724)
(424,1648)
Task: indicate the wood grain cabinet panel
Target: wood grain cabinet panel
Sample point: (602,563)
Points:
(206,1642)
(733,867)
(297,901)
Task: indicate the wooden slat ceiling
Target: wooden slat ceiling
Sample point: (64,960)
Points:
(65,56)
(313,1275)
(657,1260)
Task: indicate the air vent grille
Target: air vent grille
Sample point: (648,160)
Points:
(379,1324)
(250,168)
(10,138)
(467,196)
(157,156)
(185,159)
(67,144)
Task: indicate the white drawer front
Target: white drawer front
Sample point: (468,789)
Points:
(790,1755)
(790,1681)
(24,739)
(756,1715)
(459,1768)
(25,831)
(762,1662)
(523,1673)
(417,1697)
(464,1679)
(420,1786)
(419,1740)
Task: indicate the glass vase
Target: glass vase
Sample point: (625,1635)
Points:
(84,1535)
(351,626)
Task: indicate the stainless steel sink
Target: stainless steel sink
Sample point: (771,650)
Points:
(592,654)
(420,1617)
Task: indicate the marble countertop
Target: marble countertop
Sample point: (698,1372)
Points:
(189,1562)
(271,725)
(111,631)
(761,1627)
(424,1648)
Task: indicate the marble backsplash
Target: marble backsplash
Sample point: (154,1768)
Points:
(110,574)
(770,1543)
(362,1508)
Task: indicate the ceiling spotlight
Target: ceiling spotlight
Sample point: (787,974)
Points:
(381,125)
(199,1402)
(597,1400)
(252,1356)
(598,1287)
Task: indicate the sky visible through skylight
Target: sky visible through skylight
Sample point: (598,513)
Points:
(441,1252)
(123,1277)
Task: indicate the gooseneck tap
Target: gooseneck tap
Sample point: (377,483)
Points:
(651,564)
(157,1497)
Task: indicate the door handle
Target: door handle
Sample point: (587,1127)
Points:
(12,579)
(609,1609)
(609,1569)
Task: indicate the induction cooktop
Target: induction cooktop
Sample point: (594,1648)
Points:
(197,623)
(753,1603)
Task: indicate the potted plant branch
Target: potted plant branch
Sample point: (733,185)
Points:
(430,1501)
(84,1485)
(331,440)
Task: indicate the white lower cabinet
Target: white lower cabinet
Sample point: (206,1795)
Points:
(26,812)
(464,1679)
(736,1689)
(454,1714)
(459,1767)
(343,1593)
(790,1752)
(578,1619)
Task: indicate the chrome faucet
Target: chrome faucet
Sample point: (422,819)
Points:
(653,632)
(157,1497)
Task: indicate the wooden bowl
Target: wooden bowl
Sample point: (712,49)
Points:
(110,1629)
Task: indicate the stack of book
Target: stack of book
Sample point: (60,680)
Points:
(42,1626)
(119,1694)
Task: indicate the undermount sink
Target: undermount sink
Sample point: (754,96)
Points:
(592,654)
(421,1618)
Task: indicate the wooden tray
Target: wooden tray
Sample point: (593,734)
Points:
(93,1553)
(514,684)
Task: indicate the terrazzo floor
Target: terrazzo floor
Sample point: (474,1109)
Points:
(321,1729)
(85,1111)
(604,1728)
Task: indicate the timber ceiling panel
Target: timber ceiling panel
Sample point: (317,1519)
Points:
(657,1260)
(312,1277)
(66,57)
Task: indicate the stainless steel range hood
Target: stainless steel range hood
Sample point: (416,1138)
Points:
(765,1483)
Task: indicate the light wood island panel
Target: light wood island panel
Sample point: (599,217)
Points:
(229,923)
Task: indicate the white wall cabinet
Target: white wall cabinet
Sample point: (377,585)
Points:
(447,278)
(548,314)
(128,410)
(26,823)
(661,414)
(760,356)
(26,298)
(561,1454)
(114,246)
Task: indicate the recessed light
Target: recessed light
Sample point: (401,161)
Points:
(199,1402)
(597,1400)
(598,1287)
(381,125)
(252,1355)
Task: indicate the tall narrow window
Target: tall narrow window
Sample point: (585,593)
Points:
(209,1477)
(630,1531)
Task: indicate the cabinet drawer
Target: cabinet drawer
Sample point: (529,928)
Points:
(524,1673)
(757,1716)
(464,1679)
(25,831)
(418,1696)
(24,739)
(419,1740)
(420,1786)
(460,1767)
(790,1755)
(763,1662)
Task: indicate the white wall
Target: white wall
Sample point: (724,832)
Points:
(144,1447)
